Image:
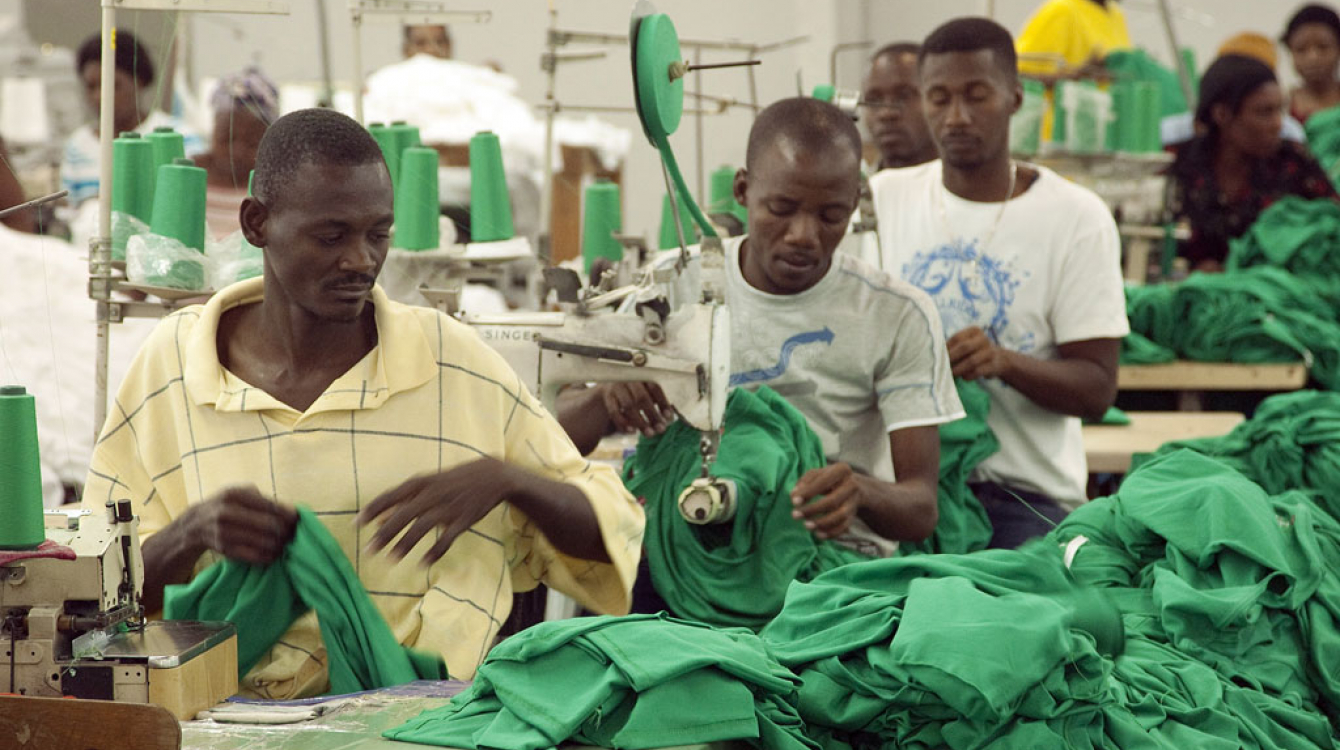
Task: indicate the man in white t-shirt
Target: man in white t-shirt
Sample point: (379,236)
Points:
(1029,288)
(856,351)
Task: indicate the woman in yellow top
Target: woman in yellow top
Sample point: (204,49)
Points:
(1079,31)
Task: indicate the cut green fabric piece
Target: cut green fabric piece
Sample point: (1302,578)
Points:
(735,573)
(1137,349)
(635,682)
(1299,236)
(1113,416)
(312,573)
(1254,315)
(1292,442)
(964,443)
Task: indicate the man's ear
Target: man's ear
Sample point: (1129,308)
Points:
(252,216)
(741,186)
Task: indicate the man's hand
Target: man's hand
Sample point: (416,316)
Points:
(829,516)
(452,501)
(637,407)
(242,524)
(972,355)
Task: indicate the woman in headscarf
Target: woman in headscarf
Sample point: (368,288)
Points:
(244,105)
(1238,164)
(1313,38)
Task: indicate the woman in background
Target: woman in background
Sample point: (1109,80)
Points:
(1238,164)
(1313,38)
(244,105)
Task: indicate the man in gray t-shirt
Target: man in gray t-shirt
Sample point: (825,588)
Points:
(860,354)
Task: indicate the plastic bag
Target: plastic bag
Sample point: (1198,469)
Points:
(231,260)
(124,226)
(156,260)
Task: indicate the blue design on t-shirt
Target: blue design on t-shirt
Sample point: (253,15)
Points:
(970,288)
(825,336)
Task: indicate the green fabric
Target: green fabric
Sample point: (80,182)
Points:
(1137,349)
(1323,140)
(964,443)
(1298,235)
(948,650)
(1113,416)
(1292,442)
(733,573)
(641,681)
(1254,315)
(1230,595)
(313,573)
(1228,600)
(1137,65)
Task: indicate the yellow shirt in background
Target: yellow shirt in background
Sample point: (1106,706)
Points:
(428,397)
(1076,30)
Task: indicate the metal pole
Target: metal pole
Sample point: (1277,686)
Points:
(100,250)
(698,122)
(1183,75)
(547,187)
(358,65)
(327,78)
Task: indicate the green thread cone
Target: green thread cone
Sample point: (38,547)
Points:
(721,191)
(601,218)
(20,471)
(416,201)
(133,176)
(169,146)
(387,141)
(669,237)
(1151,113)
(179,203)
(490,206)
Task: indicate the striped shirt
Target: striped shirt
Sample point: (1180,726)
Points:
(428,397)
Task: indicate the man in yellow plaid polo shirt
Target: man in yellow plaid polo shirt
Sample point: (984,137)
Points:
(444,481)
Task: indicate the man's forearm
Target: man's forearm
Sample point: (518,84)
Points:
(169,557)
(562,512)
(905,511)
(581,412)
(1077,387)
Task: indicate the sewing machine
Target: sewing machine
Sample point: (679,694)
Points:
(76,627)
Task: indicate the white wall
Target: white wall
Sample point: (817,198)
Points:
(286,47)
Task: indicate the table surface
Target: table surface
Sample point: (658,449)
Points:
(352,723)
(1109,447)
(1212,376)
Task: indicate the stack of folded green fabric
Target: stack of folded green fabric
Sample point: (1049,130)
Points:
(1300,236)
(643,681)
(1255,315)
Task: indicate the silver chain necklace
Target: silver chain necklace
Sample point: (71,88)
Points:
(1000,213)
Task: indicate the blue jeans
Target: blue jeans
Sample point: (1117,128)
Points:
(1016,515)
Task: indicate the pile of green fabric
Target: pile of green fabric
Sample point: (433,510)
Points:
(1231,600)
(735,573)
(1138,65)
(1292,442)
(1229,603)
(1300,236)
(964,443)
(312,573)
(1255,315)
(1323,140)
(643,681)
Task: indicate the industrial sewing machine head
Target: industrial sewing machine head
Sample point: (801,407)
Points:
(73,624)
